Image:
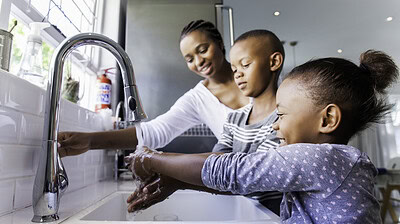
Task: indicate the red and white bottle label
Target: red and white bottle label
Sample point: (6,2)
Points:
(104,93)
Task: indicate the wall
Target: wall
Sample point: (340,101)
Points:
(21,130)
(321,27)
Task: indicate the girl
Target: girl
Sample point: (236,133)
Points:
(208,102)
(321,105)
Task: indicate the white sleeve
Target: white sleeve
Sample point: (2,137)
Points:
(162,130)
(226,142)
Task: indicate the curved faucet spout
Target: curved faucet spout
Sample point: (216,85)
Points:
(51,179)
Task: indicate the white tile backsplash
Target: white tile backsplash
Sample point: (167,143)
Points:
(108,169)
(31,130)
(23,96)
(88,157)
(3,87)
(10,125)
(70,162)
(84,116)
(23,192)
(76,178)
(95,121)
(17,160)
(21,129)
(96,158)
(90,175)
(7,195)
(69,112)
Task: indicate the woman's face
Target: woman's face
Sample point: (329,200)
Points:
(202,55)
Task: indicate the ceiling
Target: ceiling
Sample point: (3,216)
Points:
(321,27)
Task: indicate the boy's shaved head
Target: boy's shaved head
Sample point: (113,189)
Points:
(256,61)
(271,41)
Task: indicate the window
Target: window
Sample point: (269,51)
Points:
(68,17)
(20,33)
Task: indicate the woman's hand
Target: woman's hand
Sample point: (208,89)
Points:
(154,191)
(139,164)
(73,143)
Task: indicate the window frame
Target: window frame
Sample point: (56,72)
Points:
(51,34)
(54,37)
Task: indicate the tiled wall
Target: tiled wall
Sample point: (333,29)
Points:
(21,127)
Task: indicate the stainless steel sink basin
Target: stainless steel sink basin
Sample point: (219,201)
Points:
(186,206)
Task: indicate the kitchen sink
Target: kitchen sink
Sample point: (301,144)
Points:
(182,206)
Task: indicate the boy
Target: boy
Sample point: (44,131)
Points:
(256,60)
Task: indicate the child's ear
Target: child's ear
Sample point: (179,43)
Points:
(276,60)
(331,118)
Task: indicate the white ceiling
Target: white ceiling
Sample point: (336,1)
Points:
(321,27)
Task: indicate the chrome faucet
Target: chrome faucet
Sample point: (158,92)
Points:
(51,180)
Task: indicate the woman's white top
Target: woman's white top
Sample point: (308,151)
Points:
(196,106)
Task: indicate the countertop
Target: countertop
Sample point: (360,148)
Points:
(81,201)
(72,202)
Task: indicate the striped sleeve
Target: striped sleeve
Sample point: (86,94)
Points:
(225,144)
(226,141)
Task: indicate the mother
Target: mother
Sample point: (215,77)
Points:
(208,102)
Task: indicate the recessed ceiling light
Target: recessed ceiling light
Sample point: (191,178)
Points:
(389,18)
(339,51)
(276,13)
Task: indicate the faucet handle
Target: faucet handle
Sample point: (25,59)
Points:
(62,176)
(133,106)
(63,182)
(132,103)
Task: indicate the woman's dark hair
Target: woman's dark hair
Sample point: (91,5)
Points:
(205,27)
(358,90)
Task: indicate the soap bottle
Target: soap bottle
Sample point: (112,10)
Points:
(103,87)
(31,63)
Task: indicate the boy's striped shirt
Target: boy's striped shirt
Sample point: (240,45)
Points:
(238,136)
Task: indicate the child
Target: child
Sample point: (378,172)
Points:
(321,105)
(256,60)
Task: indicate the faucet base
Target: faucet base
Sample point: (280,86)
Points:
(47,218)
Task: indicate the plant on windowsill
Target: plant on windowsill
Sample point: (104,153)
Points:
(70,90)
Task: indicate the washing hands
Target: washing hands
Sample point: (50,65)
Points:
(153,191)
(152,187)
(158,175)
(139,164)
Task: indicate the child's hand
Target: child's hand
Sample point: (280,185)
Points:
(155,191)
(139,164)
